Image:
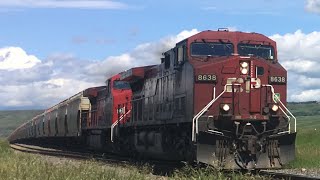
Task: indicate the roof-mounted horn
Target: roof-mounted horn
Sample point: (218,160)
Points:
(223,29)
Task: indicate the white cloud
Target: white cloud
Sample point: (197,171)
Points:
(41,93)
(144,54)
(299,53)
(82,4)
(313,6)
(298,45)
(307,95)
(26,81)
(12,58)
(301,65)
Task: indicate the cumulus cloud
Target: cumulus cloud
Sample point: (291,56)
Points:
(82,4)
(298,45)
(306,95)
(26,81)
(142,55)
(40,93)
(36,83)
(12,58)
(299,53)
(313,6)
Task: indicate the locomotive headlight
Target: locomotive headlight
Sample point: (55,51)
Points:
(244,71)
(226,107)
(275,107)
(244,67)
(244,64)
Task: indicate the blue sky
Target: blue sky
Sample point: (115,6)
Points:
(59,47)
(93,33)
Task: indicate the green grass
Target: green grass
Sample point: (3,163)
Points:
(31,167)
(211,173)
(308,137)
(22,166)
(310,109)
(10,120)
(307,149)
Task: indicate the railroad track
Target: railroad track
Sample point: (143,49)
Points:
(285,176)
(159,167)
(69,154)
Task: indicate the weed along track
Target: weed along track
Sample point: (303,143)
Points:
(157,167)
(16,164)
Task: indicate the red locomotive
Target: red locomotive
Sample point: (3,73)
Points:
(218,97)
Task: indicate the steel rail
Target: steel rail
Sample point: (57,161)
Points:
(68,154)
(285,176)
(162,166)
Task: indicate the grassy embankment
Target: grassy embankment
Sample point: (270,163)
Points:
(308,137)
(10,120)
(27,166)
(16,165)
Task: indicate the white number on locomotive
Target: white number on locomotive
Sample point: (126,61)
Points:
(206,77)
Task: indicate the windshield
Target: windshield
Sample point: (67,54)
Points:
(263,51)
(121,85)
(211,49)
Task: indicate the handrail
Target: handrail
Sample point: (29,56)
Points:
(116,123)
(273,95)
(195,130)
(289,119)
(195,125)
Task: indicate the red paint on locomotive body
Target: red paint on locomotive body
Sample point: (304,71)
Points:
(251,100)
(239,100)
(122,95)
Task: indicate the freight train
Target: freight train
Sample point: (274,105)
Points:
(217,98)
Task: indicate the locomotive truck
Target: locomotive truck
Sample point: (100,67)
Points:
(217,97)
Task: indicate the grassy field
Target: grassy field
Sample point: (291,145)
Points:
(308,138)
(10,120)
(22,166)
